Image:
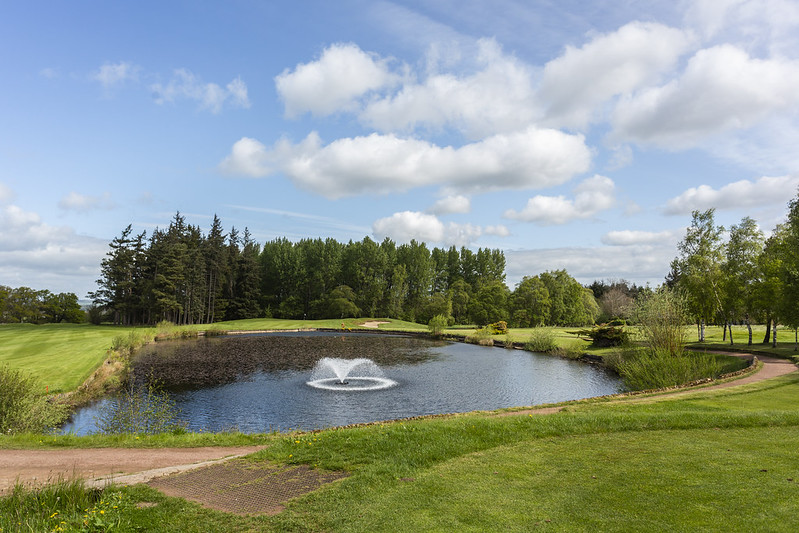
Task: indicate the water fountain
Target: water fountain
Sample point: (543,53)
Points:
(333,373)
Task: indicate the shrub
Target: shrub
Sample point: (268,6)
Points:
(541,340)
(605,335)
(24,404)
(498,328)
(146,410)
(662,316)
(437,325)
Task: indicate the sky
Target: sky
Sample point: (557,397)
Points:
(569,134)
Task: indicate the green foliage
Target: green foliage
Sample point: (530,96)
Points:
(26,305)
(498,328)
(605,335)
(24,404)
(541,340)
(145,410)
(437,325)
(661,317)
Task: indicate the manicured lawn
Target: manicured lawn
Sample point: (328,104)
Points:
(61,355)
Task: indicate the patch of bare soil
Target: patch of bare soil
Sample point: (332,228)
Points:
(373,324)
(34,468)
(242,487)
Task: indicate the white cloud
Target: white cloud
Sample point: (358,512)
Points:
(744,193)
(498,97)
(499,230)
(451,204)
(576,84)
(767,25)
(407,225)
(723,89)
(112,74)
(622,157)
(248,157)
(83,203)
(332,83)
(533,158)
(6,195)
(29,248)
(593,195)
(640,264)
(635,237)
(185,85)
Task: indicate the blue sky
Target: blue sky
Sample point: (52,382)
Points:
(568,136)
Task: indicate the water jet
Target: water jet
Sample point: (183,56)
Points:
(334,373)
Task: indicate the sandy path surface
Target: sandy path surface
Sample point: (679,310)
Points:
(37,467)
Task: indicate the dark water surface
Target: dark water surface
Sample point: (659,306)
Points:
(258,383)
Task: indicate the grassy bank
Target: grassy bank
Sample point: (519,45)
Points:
(721,460)
(62,356)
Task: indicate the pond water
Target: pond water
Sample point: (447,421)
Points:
(260,383)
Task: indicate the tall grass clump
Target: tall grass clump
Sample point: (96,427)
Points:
(660,369)
(481,336)
(25,405)
(541,340)
(64,505)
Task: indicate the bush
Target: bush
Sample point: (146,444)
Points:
(24,404)
(147,410)
(437,325)
(662,316)
(498,328)
(541,340)
(605,335)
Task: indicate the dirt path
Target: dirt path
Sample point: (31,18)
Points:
(99,465)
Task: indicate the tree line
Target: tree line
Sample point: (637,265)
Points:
(23,304)
(738,276)
(186,276)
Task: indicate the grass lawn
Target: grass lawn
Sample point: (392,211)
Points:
(61,355)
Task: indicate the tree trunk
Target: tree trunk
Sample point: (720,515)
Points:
(729,325)
(749,329)
(724,334)
(702,331)
(774,335)
(698,331)
(767,337)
